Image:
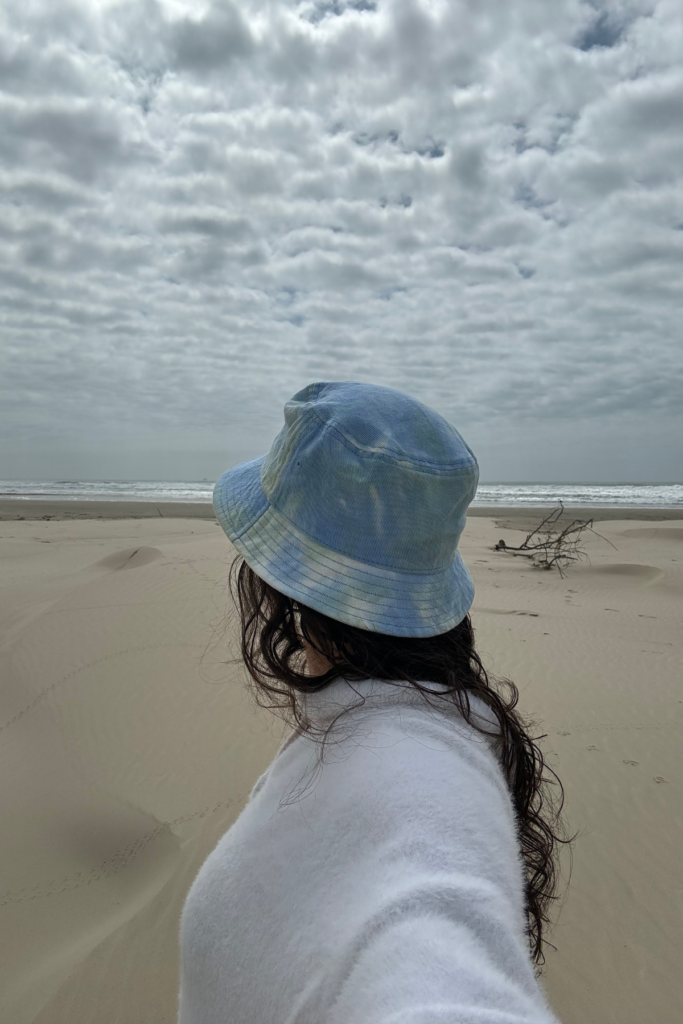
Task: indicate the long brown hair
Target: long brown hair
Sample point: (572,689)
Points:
(273,627)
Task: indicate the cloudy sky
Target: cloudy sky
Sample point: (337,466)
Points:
(205,206)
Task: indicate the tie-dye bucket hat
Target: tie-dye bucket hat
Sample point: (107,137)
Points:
(357,509)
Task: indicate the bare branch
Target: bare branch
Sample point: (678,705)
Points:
(548,546)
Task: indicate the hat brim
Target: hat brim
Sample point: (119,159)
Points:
(360,594)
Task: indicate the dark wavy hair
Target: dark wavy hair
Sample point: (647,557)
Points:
(273,627)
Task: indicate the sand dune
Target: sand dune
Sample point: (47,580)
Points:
(129,744)
(130,558)
(662,533)
(627,571)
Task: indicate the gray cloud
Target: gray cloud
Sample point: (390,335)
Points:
(205,207)
(212,41)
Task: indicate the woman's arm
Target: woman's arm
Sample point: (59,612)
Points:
(432,905)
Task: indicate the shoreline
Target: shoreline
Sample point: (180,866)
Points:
(522,516)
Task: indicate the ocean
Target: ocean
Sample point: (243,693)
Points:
(524,494)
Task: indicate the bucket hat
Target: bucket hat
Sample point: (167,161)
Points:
(357,509)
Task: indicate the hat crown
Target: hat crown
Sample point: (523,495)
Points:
(373,474)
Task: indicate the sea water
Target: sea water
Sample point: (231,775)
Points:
(625,495)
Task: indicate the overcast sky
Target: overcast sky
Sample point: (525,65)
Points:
(206,206)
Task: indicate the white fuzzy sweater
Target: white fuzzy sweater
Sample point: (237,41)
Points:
(384,889)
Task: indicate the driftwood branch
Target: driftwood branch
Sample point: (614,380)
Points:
(548,546)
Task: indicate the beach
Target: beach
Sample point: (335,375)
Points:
(130,743)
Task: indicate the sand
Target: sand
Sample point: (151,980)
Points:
(60,508)
(130,744)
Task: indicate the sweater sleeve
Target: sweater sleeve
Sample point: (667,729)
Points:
(431,969)
(435,895)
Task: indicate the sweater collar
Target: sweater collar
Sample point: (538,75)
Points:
(324,705)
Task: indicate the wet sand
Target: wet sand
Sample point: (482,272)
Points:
(61,509)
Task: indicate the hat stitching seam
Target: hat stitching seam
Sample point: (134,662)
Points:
(378,624)
(224,504)
(349,580)
(336,565)
(360,617)
(377,565)
(360,594)
(441,468)
(357,592)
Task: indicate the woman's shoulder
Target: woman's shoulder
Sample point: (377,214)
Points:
(405,782)
(408,727)
(385,755)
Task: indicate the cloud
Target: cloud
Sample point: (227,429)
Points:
(212,41)
(205,206)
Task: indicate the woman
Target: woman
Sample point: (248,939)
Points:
(395,863)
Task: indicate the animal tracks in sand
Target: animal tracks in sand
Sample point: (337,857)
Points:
(629,761)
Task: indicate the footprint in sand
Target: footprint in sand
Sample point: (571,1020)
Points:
(660,778)
(631,762)
(592,747)
(564,734)
(130,558)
